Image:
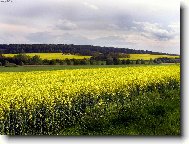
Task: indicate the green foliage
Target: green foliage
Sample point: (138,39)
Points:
(142,61)
(96,59)
(21,58)
(149,113)
(36,60)
(21,63)
(138,61)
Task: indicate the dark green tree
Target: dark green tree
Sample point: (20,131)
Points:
(52,62)
(109,61)
(116,61)
(36,60)
(137,61)
(21,63)
(151,61)
(6,63)
(128,61)
(142,61)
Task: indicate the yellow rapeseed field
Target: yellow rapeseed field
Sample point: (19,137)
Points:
(148,56)
(32,88)
(50,56)
(26,92)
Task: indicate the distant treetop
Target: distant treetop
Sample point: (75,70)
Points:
(89,50)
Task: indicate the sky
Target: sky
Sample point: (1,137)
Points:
(138,24)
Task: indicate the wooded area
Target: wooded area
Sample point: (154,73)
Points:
(65,48)
(99,55)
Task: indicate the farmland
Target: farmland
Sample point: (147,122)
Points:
(50,56)
(137,100)
(63,67)
(148,56)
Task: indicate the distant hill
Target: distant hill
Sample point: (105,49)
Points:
(86,50)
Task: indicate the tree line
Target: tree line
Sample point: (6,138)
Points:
(88,50)
(23,59)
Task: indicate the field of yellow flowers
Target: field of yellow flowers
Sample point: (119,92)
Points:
(88,101)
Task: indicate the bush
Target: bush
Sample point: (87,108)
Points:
(10,65)
(21,63)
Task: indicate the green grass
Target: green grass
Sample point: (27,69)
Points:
(51,68)
(60,67)
(148,56)
(51,56)
(151,113)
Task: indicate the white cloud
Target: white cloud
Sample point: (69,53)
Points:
(175,26)
(66,25)
(154,30)
(93,22)
(113,27)
(92,6)
(40,37)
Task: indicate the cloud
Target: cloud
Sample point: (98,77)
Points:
(175,27)
(69,38)
(40,37)
(111,41)
(91,6)
(66,25)
(113,27)
(93,22)
(154,31)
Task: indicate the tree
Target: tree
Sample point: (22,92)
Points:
(128,61)
(137,61)
(6,63)
(68,61)
(142,61)
(21,58)
(116,61)
(92,62)
(21,63)
(123,62)
(157,61)
(52,62)
(76,61)
(72,49)
(151,61)
(83,62)
(109,61)
(36,60)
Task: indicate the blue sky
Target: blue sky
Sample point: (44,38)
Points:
(138,24)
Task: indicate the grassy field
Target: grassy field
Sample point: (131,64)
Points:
(100,100)
(64,67)
(53,67)
(148,56)
(51,56)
